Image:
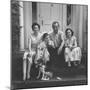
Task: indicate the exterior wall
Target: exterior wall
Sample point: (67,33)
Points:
(78,22)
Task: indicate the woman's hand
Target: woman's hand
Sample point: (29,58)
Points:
(71,47)
(31,53)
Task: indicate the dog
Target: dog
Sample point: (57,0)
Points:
(45,75)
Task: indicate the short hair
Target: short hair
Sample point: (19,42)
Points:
(70,30)
(44,36)
(55,23)
(34,24)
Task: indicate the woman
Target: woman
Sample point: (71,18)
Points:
(72,51)
(29,54)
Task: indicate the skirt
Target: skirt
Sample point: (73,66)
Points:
(73,55)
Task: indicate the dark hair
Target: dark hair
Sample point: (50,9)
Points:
(70,30)
(44,36)
(34,24)
(55,23)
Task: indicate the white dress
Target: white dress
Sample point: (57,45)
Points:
(33,43)
(72,51)
(30,55)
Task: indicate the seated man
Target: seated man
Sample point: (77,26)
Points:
(57,53)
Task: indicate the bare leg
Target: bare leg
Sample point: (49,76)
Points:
(43,73)
(39,74)
(24,69)
(29,69)
(43,76)
(67,56)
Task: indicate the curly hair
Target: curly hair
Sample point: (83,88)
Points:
(70,30)
(44,36)
(35,24)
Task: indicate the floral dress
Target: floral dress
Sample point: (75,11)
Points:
(42,53)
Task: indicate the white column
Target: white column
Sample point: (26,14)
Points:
(64,17)
(85,27)
(61,16)
(81,26)
(22,29)
(27,21)
(75,20)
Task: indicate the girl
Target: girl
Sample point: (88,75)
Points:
(72,51)
(43,55)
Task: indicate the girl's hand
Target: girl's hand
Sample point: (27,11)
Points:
(59,50)
(51,43)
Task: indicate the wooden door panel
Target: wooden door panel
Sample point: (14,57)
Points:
(48,13)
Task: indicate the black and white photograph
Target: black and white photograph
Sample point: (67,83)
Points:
(49,44)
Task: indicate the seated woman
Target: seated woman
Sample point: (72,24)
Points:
(42,56)
(29,55)
(72,51)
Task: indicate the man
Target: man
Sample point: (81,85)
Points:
(57,53)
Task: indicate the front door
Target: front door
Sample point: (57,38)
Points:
(47,13)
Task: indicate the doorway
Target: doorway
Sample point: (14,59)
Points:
(49,12)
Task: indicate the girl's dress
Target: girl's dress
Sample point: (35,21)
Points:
(72,51)
(42,53)
(43,56)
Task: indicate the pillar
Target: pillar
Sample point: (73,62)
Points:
(27,21)
(22,27)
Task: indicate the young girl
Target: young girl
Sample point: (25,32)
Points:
(72,51)
(42,56)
